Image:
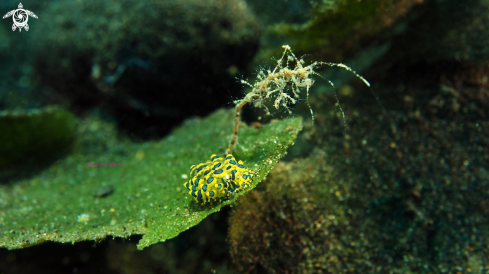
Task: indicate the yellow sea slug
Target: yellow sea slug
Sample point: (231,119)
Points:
(217,179)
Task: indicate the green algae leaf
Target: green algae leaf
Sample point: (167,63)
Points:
(140,191)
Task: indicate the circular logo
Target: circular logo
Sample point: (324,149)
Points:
(20,17)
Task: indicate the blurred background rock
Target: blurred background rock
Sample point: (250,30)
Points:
(148,64)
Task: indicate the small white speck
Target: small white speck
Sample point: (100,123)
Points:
(84,218)
(184,176)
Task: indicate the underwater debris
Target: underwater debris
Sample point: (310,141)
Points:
(83,218)
(104,192)
(277,83)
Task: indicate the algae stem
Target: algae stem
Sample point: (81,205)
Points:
(234,138)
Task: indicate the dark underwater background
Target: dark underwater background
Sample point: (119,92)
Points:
(391,178)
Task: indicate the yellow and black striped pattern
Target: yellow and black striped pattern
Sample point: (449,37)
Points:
(216,180)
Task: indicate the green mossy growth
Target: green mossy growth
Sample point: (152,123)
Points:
(28,138)
(63,204)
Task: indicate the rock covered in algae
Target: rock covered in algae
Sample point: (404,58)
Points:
(291,225)
(148,196)
(151,64)
(34,137)
(338,28)
(411,198)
